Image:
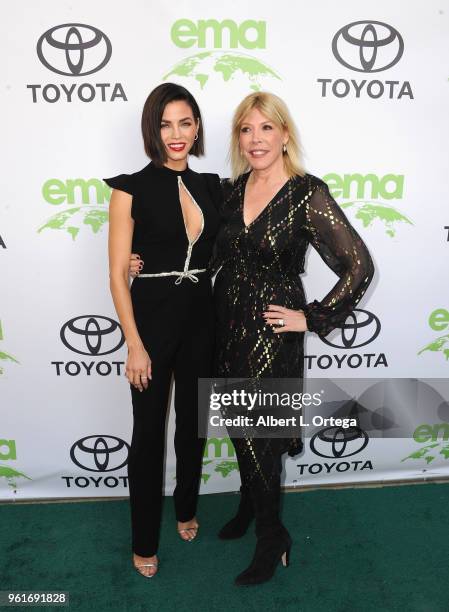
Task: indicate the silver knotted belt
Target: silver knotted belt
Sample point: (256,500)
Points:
(190,274)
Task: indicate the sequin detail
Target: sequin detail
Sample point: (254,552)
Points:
(260,264)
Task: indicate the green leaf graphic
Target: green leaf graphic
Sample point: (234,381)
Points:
(438,345)
(369,212)
(228,65)
(11,475)
(423,453)
(72,220)
(7,357)
(226,467)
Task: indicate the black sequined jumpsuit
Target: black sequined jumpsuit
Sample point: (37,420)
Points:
(258,265)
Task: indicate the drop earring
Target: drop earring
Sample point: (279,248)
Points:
(284,148)
(196,136)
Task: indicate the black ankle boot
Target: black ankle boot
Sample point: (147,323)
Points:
(273,540)
(238,526)
(270,549)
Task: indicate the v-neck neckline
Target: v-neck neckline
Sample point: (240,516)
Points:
(267,206)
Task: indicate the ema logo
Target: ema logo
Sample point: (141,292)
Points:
(3,355)
(438,321)
(219,458)
(217,66)
(8,452)
(435,441)
(87,202)
(74,50)
(368,47)
(366,195)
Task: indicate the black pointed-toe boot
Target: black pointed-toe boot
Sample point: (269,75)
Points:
(238,526)
(273,541)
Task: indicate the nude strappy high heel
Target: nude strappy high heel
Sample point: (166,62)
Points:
(151,564)
(192,531)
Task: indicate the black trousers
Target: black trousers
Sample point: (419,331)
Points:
(180,347)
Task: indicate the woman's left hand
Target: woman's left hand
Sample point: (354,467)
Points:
(285,319)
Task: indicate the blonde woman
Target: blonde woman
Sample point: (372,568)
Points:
(272,211)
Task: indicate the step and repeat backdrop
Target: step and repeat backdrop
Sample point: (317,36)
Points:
(368,86)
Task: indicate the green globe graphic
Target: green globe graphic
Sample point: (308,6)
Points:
(6,357)
(439,345)
(429,452)
(3,355)
(73,220)
(370,212)
(11,475)
(222,467)
(227,65)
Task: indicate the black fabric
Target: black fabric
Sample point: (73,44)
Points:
(159,232)
(261,264)
(176,325)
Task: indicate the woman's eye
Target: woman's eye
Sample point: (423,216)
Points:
(164,125)
(188,124)
(244,129)
(267,127)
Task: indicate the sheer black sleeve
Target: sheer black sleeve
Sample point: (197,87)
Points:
(214,186)
(226,188)
(342,249)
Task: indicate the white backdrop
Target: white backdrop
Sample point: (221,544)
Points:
(370,100)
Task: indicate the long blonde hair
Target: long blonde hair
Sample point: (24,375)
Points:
(276,111)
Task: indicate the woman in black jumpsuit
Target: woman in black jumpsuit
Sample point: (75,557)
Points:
(173,311)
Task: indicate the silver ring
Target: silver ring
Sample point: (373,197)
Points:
(281,323)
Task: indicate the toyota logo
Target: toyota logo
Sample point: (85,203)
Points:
(92,335)
(360,324)
(74,49)
(337,442)
(368,46)
(100,453)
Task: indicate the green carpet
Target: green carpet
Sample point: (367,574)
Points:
(380,549)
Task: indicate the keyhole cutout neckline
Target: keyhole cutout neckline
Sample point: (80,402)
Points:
(183,189)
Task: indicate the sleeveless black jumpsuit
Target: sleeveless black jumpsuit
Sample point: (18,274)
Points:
(174,315)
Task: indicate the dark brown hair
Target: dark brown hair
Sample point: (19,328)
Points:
(152,115)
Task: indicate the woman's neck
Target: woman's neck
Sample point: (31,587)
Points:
(273,174)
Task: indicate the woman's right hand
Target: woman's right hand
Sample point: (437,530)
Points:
(135,265)
(138,367)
